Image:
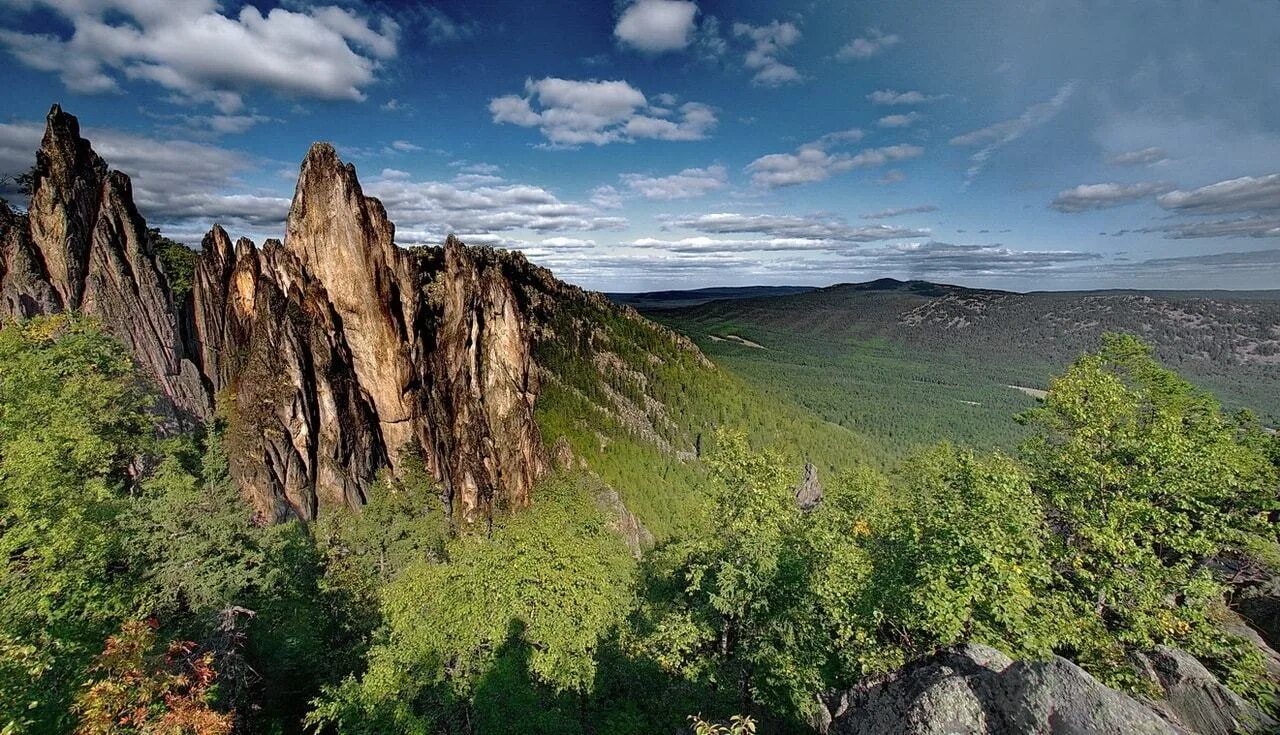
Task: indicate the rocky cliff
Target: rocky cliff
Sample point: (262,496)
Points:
(332,355)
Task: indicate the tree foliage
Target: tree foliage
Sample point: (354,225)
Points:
(1145,479)
(140,690)
(72,420)
(529,605)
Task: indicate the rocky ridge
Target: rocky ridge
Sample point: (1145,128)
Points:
(332,354)
(973,689)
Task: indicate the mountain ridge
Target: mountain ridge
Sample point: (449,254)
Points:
(324,386)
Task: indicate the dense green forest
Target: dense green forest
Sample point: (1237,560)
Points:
(140,596)
(911,363)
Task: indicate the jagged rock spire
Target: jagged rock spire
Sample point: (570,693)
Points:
(328,354)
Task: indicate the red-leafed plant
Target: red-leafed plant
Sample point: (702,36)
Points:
(141,690)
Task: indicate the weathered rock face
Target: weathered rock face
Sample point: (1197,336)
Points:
(809,491)
(332,355)
(84,246)
(972,690)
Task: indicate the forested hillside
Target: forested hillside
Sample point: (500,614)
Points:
(911,362)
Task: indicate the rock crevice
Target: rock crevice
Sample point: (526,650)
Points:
(331,356)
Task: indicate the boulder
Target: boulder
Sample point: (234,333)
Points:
(974,689)
(1194,699)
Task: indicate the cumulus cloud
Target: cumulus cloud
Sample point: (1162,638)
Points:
(997,135)
(768,43)
(867,46)
(571,113)
(814,161)
(806,227)
(180,186)
(1245,194)
(215,125)
(688,184)
(894,97)
(898,121)
(192,49)
(887,213)
(1143,157)
(1087,197)
(657,26)
(606,197)
(478,211)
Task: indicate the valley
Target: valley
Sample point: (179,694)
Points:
(910,363)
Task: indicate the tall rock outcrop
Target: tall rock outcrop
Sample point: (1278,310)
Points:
(83,246)
(331,355)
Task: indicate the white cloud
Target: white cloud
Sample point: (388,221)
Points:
(1245,194)
(1105,196)
(997,135)
(887,213)
(892,176)
(474,208)
(813,161)
(921,259)
(656,26)
(898,121)
(702,244)
(894,97)
(439,28)
(180,186)
(768,42)
(1242,227)
(214,125)
(567,243)
(192,49)
(806,227)
(1143,157)
(571,113)
(404,146)
(688,184)
(606,197)
(867,46)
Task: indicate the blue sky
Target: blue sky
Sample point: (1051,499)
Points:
(670,143)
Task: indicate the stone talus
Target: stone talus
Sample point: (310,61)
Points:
(330,356)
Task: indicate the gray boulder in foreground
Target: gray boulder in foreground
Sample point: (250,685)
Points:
(972,689)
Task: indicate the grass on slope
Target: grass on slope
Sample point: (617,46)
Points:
(882,390)
(638,406)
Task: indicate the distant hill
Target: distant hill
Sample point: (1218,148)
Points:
(695,297)
(911,361)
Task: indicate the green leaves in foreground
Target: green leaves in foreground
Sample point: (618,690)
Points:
(1145,479)
(1096,546)
(527,607)
(71,420)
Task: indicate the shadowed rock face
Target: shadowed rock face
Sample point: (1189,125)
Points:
(975,690)
(332,355)
(83,246)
